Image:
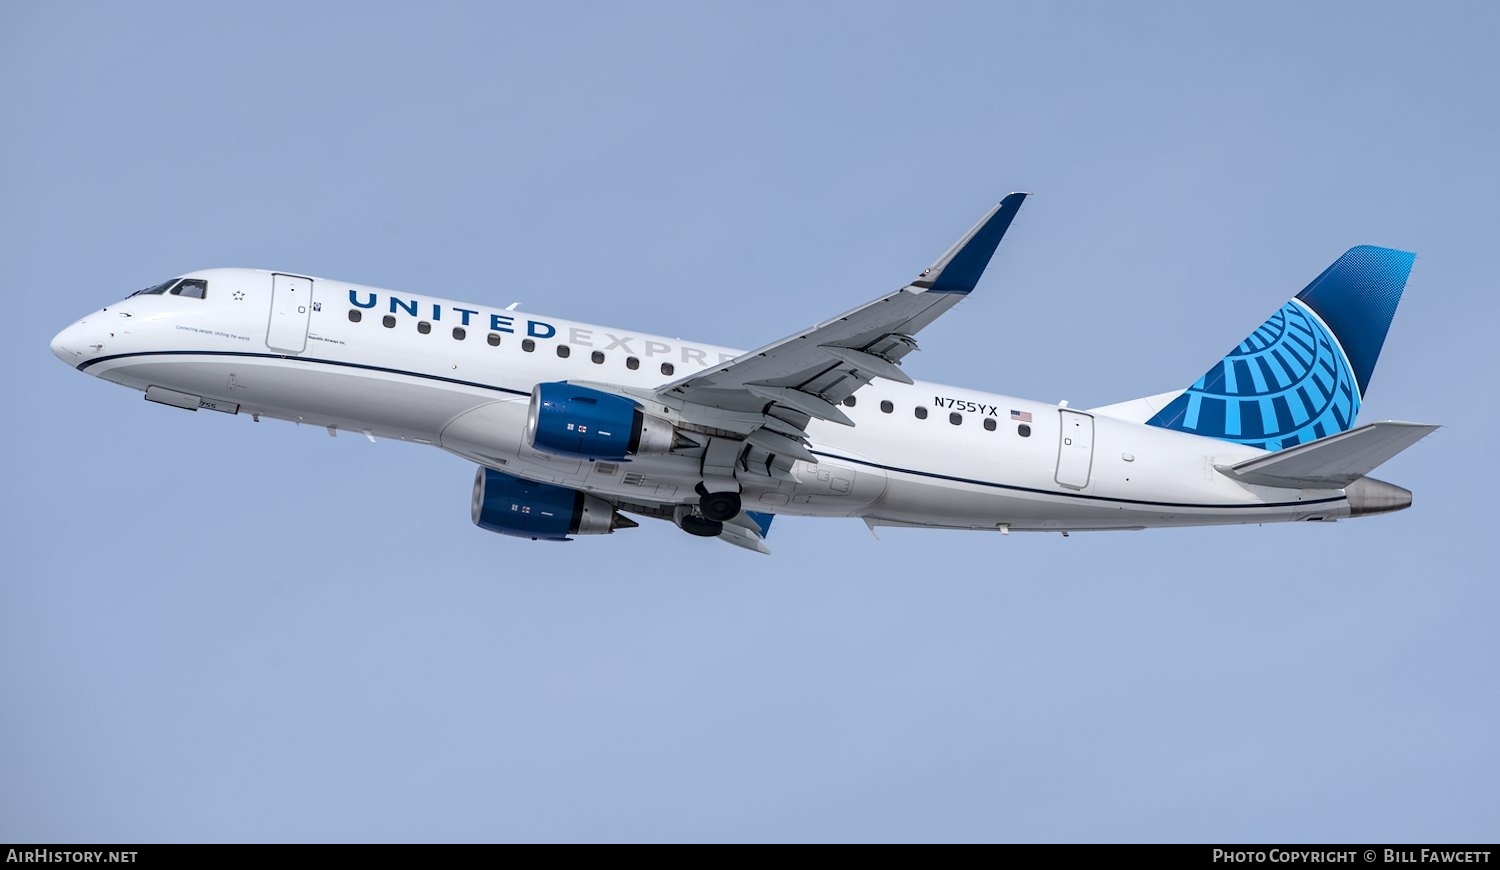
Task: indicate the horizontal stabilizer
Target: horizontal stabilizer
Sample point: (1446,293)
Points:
(1333,462)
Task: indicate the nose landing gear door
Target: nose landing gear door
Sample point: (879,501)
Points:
(291,309)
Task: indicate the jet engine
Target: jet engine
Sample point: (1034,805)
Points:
(540,511)
(592,424)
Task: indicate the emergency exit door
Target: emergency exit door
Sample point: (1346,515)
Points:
(1075,449)
(291,308)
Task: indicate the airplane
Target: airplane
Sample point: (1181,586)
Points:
(576,428)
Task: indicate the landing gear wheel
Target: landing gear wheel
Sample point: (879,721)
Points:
(720,506)
(696,525)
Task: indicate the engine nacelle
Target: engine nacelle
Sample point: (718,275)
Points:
(579,421)
(540,511)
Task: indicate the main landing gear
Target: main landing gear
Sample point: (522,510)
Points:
(719,506)
(696,525)
(714,509)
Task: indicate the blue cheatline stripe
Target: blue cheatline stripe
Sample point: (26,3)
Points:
(895,468)
(1072,495)
(282,356)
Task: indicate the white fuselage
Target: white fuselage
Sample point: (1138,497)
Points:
(459,376)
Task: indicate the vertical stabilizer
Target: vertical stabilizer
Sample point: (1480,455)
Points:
(1303,374)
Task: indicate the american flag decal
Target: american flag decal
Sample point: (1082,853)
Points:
(1020,416)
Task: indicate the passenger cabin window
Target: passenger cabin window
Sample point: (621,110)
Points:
(528,345)
(1023,430)
(388,321)
(667,368)
(989,424)
(849,402)
(956,418)
(192,288)
(886,407)
(632,363)
(563,351)
(459,333)
(921,412)
(493,338)
(424,327)
(598,357)
(355,315)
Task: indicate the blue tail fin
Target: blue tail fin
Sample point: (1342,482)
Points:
(1302,375)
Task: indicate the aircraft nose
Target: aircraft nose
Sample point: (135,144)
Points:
(65,345)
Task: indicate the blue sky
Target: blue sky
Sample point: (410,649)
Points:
(217,630)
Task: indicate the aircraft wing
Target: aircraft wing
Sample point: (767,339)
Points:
(807,374)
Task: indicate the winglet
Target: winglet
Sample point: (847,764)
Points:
(959,269)
(762,521)
(748,530)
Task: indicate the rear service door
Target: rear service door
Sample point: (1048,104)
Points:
(1075,449)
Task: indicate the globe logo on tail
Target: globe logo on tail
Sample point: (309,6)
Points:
(1302,375)
(1289,382)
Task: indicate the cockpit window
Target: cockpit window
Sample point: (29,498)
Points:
(154,291)
(193,288)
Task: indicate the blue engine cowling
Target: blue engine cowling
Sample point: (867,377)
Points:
(579,421)
(540,511)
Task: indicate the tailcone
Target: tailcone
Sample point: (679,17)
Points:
(1370,496)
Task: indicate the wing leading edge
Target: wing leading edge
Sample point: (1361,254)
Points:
(806,375)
